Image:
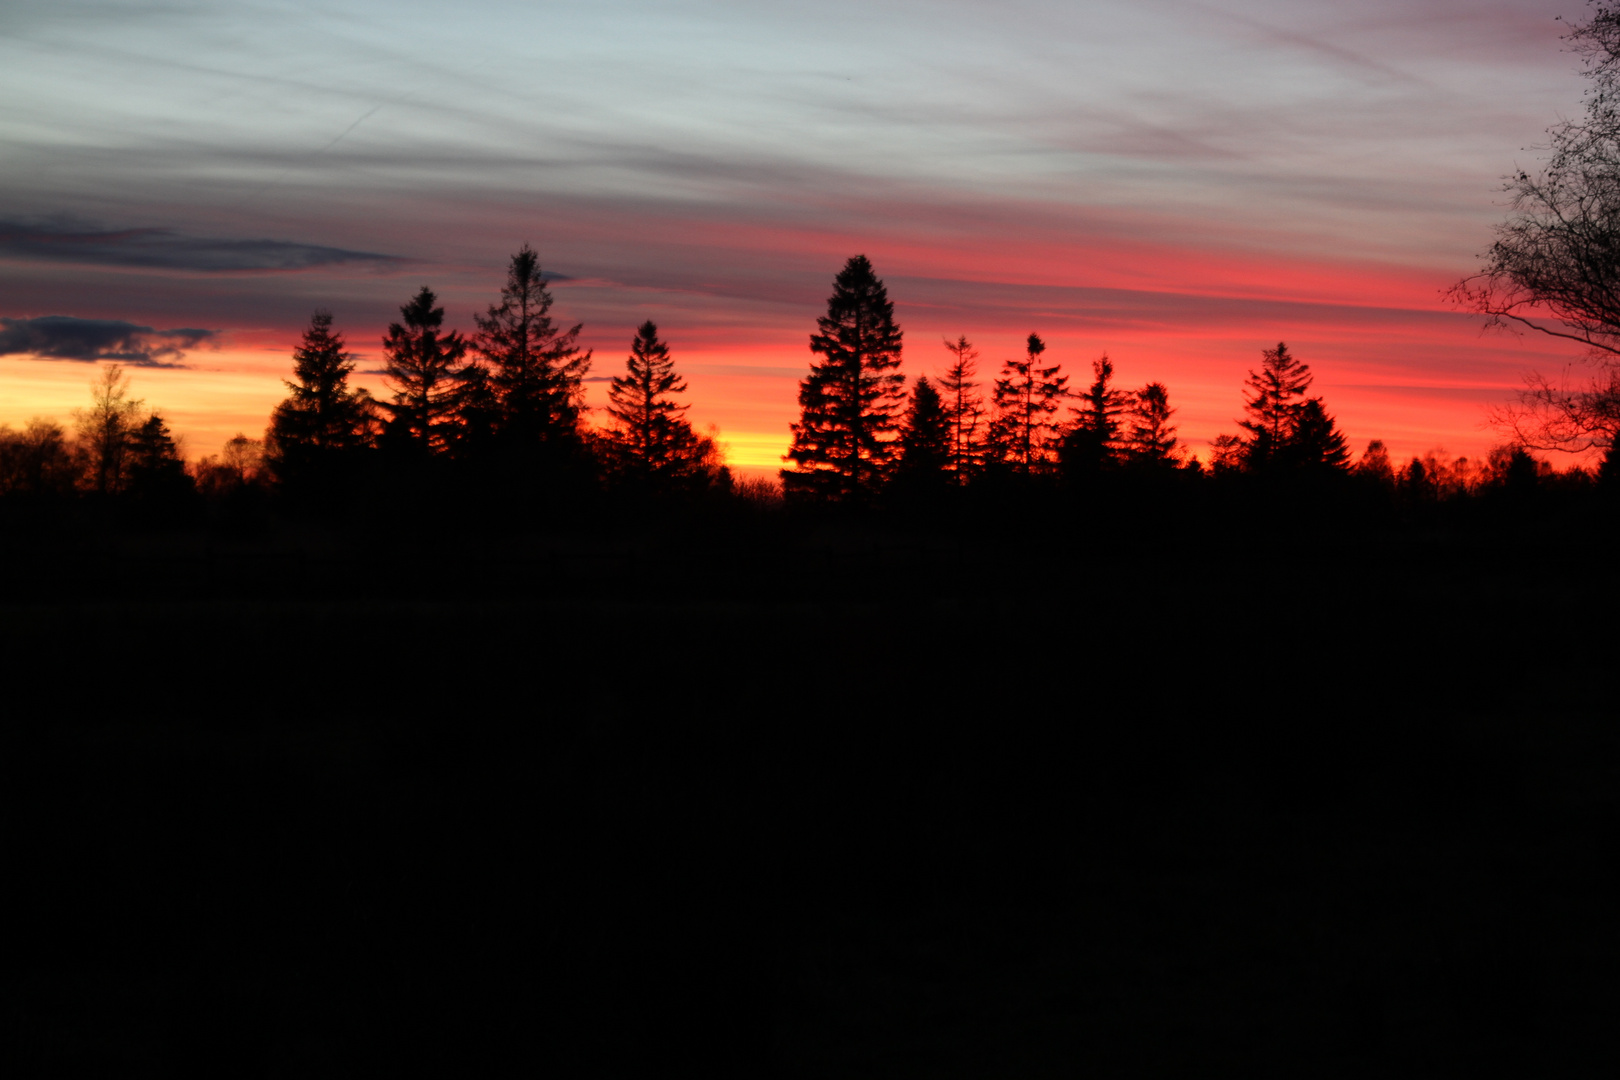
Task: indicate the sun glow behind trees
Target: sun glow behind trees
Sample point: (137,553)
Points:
(1176,186)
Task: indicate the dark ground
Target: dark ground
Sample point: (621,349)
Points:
(857,805)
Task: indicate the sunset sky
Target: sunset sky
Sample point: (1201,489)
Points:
(1177,183)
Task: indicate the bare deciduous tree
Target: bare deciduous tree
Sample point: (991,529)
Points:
(1555,264)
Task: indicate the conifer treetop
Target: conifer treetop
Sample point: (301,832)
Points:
(426,370)
(844,443)
(1274,395)
(537,369)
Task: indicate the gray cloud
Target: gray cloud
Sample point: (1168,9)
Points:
(167,249)
(62,337)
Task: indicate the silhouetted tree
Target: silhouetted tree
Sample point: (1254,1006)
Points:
(1027,396)
(37,462)
(1556,252)
(536,368)
(1092,441)
(1227,455)
(428,375)
(925,442)
(1512,471)
(1315,443)
(1556,256)
(1151,438)
(157,472)
(238,465)
(1374,465)
(652,443)
(842,445)
(105,429)
(1273,397)
(322,423)
(1417,482)
(964,411)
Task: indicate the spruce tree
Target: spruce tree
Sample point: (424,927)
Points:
(1092,441)
(1026,398)
(964,411)
(1315,444)
(156,469)
(1151,438)
(653,440)
(1274,398)
(322,422)
(429,377)
(536,368)
(925,439)
(843,444)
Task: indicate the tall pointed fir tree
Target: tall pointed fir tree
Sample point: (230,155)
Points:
(1027,396)
(1274,398)
(925,444)
(652,444)
(1150,438)
(843,445)
(1092,442)
(429,375)
(964,411)
(1316,444)
(536,368)
(321,424)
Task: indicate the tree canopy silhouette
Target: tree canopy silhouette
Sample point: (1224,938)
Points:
(1274,398)
(1316,444)
(157,472)
(1027,396)
(429,376)
(964,411)
(925,441)
(843,444)
(37,462)
(1555,264)
(652,442)
(1093,443)
(1151,438)
(536,368)
(322,421)
(105,430)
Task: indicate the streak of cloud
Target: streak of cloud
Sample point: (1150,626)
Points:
(168,249)
(62,337)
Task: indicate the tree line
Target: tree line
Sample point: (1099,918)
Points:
(500,414)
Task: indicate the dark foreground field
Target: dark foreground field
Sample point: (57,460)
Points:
(851,804)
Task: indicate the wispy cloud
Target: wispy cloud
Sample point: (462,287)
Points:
(62,337)
(168,249)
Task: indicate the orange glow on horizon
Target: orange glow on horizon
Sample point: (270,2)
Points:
(1390,359)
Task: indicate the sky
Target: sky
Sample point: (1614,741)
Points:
(1176,183)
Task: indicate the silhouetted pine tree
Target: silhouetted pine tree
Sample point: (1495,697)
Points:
(536,369)
(1273,397)
(429,377)
(842,445)
(1151,438)
(925,441)
(1092,441)
(157,472)
(653,443)
(1315,443)
(322,423)
(964,410)
(1027,396)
